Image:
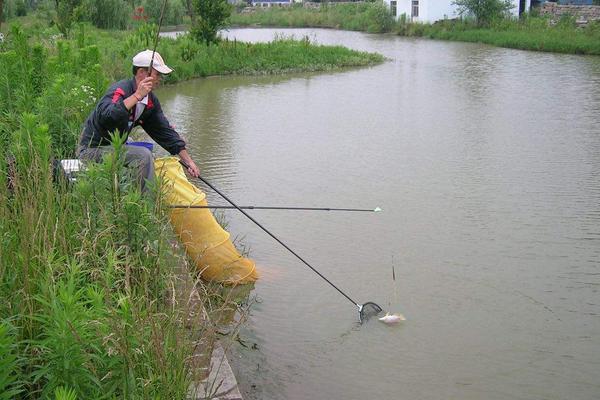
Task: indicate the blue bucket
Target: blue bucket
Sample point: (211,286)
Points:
(148,145)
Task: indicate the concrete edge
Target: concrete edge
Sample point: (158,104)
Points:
(221,383)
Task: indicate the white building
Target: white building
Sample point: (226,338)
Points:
(435,10)
(271,3)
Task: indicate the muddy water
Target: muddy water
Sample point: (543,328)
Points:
(486,162)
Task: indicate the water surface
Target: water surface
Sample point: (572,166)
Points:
(487,164)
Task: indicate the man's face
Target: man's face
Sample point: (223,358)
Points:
(157,77)
(143,74)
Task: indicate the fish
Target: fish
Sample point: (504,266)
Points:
(391,319)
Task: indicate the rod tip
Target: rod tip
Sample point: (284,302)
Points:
(377,209)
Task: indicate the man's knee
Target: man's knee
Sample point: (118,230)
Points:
(141,160)
(138,155)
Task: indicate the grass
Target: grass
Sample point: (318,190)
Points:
(528,33)
(279,56)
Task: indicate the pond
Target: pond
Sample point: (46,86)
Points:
(486,162)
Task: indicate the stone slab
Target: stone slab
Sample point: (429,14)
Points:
(221,383)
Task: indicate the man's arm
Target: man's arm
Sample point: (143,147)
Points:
(191,165)
(159,129)
(142,90)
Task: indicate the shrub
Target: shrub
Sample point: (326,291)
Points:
(380,19)
(174,11)
(484,11)
(21,8)
(66,13)
(106,14)
(211,16)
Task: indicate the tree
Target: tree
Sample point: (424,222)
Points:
(211,16)
(1,9)
(190,9)
(66,14)
(484,11)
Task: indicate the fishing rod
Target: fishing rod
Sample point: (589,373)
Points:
(365,310)
(162,14)
(376,209)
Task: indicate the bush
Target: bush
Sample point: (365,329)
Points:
(174,11)
(67,12)
(211,16)
(484,11)
(21,8)
(593,29)
(379,17)
(107,14)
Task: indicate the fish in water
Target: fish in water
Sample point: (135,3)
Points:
(391,319)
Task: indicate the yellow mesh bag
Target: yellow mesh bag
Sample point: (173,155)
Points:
(205,242)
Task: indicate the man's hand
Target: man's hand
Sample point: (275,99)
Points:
(144,87)
(192,169)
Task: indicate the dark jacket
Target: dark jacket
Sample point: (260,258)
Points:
(111,115)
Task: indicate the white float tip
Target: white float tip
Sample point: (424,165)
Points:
(377,209)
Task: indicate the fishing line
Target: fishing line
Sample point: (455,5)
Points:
(162,14)
(365,310)
(376,209)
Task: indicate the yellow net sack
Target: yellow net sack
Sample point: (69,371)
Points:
(205,242)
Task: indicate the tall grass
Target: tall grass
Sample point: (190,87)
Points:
(93,306)
(84,278)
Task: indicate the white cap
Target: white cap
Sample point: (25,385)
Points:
(142,59)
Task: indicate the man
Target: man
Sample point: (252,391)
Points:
(127,104)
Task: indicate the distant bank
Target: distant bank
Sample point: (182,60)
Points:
(530,32)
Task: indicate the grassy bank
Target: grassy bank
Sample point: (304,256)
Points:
(527,33)
(93,306)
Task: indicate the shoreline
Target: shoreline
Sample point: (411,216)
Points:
(533,33)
